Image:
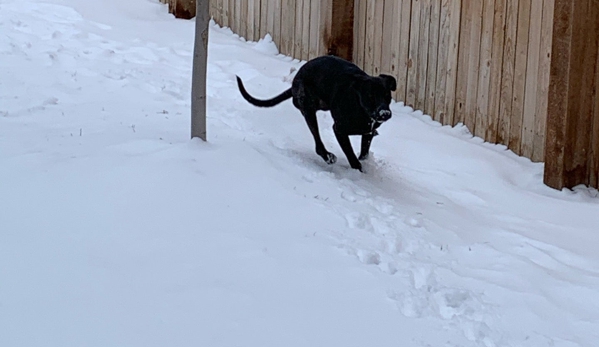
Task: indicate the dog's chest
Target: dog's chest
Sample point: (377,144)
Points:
(356,125)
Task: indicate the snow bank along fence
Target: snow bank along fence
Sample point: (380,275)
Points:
(517,72)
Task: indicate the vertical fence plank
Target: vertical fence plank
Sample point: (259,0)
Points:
(306,30)
(572,93)
(369,44)
(486,48)
(433,58)
(276,34)
(359,33)
(559,86)
(378,36)
(225,12)
(532,79)
(215,11)
(473,65)
(287,26)
(232,15)
(244,26)
(387,38)
(455,18)
(404,47)
(421,63)
(270,18)
(257,19)
(442,61)
(463,62)
(496,70)
(263,22)
(251,20)
(412,86)
(543,89)
(398,48)
(508,67)
(520,75)
(594,153)
(325,23)
(299,25)
(314,29)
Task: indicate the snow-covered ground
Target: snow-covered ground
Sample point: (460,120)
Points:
(117,230)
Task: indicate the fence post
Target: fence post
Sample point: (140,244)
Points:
(572,134)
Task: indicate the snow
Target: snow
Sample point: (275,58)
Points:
(117,230)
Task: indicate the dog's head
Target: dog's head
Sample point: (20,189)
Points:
(374,94)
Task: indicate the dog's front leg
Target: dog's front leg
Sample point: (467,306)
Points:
(365,149)
(345,144)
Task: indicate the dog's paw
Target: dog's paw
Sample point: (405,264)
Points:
(330,158)
(357,166)
(363,156)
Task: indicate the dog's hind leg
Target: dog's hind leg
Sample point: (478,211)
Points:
(345,144)
(310,117)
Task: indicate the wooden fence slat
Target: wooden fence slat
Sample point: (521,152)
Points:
(515,140)
(594,153)
(532,79)
(412,85)
(359,27)
(257,19)
(442,61)
(484,76)
(214,11)
(270,17)
(243,19)
(422,63)
(306,31)
(387,42)
(369,42)
(251,20)
(325,31)
(455,15)
(299,25)
(232,15)
(287,27)
(463,62)
(496,70)
(508,66)
(314,29)
(276,34)
(404,48)
(377,40)
(433,51)
(543,89)
(225,12)
(473,65)
(263,22)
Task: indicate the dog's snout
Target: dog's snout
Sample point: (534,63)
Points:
(383,115)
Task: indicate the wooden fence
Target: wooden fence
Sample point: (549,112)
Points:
(484,63)
(300,28)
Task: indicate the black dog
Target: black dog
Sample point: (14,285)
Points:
(359,103)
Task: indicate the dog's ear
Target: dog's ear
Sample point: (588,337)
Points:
(389,81)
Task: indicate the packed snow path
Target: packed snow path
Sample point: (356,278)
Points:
(116,230)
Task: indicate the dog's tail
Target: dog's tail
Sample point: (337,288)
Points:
(263,103)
